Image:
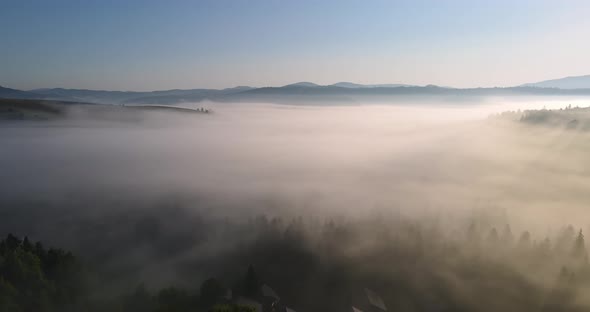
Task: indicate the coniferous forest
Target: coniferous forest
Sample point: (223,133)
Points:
(319,265)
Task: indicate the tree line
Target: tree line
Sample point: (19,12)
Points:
(414,265)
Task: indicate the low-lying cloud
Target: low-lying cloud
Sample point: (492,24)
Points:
(90,180)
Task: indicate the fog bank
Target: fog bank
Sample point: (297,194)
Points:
(87,179)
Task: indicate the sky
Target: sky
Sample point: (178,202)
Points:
(155,45)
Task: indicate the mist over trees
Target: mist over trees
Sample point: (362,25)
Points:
(312,264)
(294,156)
(294,209)
(568,117)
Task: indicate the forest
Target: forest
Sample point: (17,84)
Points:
(391,263)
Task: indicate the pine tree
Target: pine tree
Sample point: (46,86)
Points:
(507,237)
(493,236)
(251,283)
(525,240)
(27,246)
(579,250)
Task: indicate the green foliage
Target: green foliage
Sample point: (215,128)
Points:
(461,269)
(8,297)
(35,279)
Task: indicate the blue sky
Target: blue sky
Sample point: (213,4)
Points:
(148,45)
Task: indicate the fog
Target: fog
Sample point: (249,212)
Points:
(84,179)
(346,160)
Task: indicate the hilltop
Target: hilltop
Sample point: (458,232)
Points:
(305,93)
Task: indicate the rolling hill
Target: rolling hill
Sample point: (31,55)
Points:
(352,85)
(304,93)
(132,97)
(573,82)
(18,94)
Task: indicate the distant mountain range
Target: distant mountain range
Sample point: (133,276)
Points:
(304,92)
(350,85)
(356,85)
(18,94)
(132,97)
(574,82)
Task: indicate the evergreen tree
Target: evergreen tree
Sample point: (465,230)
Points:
(579,250)
(507,237)
(565,239)
(493,237)
(524,242)
(251,283)
(26,245)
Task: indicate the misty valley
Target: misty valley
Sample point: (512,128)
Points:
(294,156)
(209,206)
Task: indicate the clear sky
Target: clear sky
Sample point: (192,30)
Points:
(148,45)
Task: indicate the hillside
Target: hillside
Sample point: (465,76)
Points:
(300,93)
(30,109)
(18,94)
(166,97)
(307,93)
(574,82)
(345,84)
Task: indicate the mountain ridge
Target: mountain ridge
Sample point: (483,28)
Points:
(570,82)
(17,94)
(299,92)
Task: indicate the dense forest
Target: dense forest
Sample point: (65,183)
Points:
(572,118)
(385,263)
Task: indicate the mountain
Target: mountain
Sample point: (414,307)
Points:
(301,93)
(90,96)
(17,94)
(348,85)
(340,95)
(573,82)
(356,85)
(165,97)
(183,96)
(302,84)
